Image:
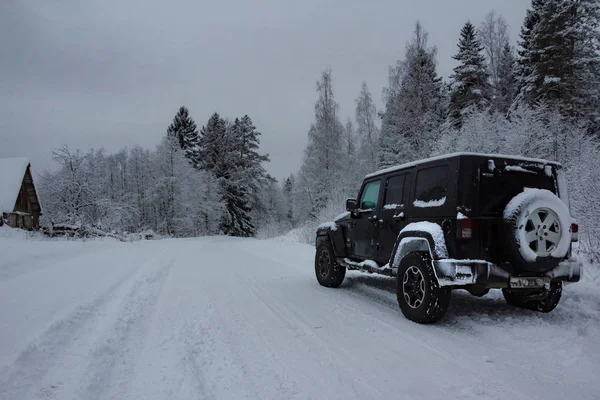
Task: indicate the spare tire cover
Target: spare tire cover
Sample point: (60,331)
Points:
(539,230)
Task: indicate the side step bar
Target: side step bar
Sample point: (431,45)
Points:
(368,266)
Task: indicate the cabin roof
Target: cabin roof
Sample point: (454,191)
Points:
(12,173)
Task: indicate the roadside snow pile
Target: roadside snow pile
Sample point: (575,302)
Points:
(7,232)
(304,234)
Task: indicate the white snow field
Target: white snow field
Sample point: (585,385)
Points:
(230,318)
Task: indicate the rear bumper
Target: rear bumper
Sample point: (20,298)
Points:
(476,272)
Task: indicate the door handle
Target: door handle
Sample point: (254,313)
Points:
(399,217)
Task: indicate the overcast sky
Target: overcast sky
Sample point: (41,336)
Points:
(112,73)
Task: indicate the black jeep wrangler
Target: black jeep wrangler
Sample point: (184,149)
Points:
(464,220)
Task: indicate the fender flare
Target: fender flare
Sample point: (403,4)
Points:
(335,237)
(410,241)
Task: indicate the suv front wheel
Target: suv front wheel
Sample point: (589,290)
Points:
(329,272)
(420,297)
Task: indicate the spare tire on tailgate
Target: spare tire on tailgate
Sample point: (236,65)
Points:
(539,230)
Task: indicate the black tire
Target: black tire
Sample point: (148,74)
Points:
(519,298)
(420,297)
(329,273)
(516,215)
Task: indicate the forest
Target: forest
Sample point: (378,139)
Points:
(537,95)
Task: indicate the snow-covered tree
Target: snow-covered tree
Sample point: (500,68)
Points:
(188,201)
(288,190)
(353,161)
(527,57)
(250,160)
(272,215)
(560,57)
(414,106)
(213,144)
(470,86)
(230,152)
(322,167)
(184,129)
(505,91)
(493,34)
(366,129)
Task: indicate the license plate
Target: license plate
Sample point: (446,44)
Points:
(526,283)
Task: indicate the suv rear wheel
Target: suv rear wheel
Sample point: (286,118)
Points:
(420,297)
(329,272)
(531,301)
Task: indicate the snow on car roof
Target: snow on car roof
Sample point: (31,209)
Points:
(452,155)
(12,171)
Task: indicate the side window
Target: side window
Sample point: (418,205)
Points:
(394,193)
(370,195)
(431,187)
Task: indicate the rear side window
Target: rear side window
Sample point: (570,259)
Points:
(431,187)
(370,195)
(394,194)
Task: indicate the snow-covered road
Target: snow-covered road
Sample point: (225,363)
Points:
(227,318)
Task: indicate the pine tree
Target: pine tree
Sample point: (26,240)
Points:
(562,58)
(247,177)
(250,160)
(528,57)
(288,190)
(414,107)
(470,87)
(184,130)
(213,145)
(506,89)
(546,80)
(230,151)
(237,196)
(586,65)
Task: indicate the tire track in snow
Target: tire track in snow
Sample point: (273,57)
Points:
(194,347)
(380,318)
(33,264)
(211,367)
(24,375)
(113,359)
(330,354)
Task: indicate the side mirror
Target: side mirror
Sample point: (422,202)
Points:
(351,205)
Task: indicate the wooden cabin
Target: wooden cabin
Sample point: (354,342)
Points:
(19,204)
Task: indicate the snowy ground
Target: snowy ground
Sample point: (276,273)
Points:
(226,318)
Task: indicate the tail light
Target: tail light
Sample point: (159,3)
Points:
(464,228)
(574,232)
